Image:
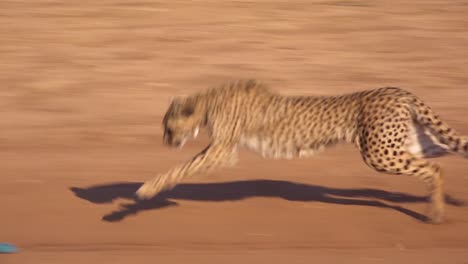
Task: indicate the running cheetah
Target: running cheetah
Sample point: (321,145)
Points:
(394,131)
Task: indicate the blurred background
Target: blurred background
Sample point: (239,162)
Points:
(84,86)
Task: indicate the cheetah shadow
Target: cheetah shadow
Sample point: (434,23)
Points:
(239,190)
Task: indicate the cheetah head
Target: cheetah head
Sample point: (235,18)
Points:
(181,121)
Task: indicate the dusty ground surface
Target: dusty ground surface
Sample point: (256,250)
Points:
(84,85)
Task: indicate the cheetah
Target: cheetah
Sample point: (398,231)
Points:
(394,131)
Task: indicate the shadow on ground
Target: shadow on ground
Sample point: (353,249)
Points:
(239,190)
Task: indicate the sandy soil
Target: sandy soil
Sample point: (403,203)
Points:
(84,85)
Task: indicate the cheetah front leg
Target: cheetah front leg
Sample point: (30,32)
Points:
(214,156)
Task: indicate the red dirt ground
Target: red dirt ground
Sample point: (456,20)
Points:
(84,85)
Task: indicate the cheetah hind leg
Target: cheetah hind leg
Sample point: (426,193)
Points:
(430,173)
(405,163)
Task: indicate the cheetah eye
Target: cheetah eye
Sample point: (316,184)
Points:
(187,111)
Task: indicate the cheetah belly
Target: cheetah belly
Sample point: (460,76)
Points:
(288,150)
(268,149)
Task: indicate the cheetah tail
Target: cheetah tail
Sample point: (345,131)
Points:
(424,115)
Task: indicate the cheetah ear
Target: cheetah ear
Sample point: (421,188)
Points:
(176,99)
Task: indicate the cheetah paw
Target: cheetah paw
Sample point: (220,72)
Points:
(145,192)
(436,216)
(153,187)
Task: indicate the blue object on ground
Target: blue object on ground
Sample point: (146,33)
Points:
(7,248)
